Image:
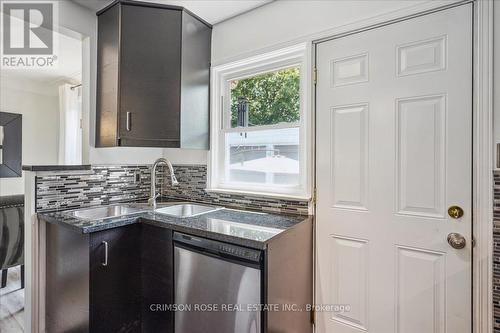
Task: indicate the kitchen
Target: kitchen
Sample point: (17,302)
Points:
(235,175)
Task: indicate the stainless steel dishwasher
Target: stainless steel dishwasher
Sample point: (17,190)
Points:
(217,286)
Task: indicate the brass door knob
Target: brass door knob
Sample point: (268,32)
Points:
(456,241)
(455,212)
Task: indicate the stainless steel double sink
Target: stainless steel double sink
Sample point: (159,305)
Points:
(180,210)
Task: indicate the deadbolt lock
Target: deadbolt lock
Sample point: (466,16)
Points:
(455,212)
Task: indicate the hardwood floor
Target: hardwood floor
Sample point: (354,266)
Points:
(12,303)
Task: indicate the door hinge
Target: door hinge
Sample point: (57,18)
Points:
(315,75)
(313,317)
(314,196)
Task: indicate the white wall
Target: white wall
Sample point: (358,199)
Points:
(39,106)
(282,22)
(125,155)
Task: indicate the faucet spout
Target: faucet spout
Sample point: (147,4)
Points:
(154,195)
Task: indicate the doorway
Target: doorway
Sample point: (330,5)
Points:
(49,102)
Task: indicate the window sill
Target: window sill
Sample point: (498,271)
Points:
(259,194)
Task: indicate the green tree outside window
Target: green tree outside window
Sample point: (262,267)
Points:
(273,97)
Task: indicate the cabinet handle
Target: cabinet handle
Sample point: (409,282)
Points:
(105,262)
(129,117)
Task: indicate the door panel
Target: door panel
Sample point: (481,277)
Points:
(350,70)
(420,127)
(350,280)
(420,293)
(394,135)
(349,143)
(422,56)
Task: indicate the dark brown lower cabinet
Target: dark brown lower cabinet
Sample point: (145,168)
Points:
(108,281)
(122,280)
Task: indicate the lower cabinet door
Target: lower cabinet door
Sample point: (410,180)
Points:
(115,280)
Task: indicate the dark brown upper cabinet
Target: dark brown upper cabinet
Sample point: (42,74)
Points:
(153,76)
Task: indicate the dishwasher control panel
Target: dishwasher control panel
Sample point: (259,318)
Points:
(240,252)
(216,247)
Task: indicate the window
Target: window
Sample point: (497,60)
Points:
(260,125)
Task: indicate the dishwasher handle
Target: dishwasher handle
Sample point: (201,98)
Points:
(219,248)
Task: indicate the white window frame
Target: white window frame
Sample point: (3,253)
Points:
(297,55)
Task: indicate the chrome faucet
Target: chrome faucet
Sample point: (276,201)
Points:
(154,195)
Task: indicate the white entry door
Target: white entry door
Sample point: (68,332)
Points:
(394,152)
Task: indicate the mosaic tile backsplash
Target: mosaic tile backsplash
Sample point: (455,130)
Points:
(496,251)
(110,184)
(100,186)
(192,183)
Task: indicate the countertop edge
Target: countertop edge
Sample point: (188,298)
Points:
(260,245)
(56,167)
(148,219)
(307,218)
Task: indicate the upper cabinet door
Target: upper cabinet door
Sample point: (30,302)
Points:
(150,77)
(153,77)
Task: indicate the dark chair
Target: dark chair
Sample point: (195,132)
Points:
(11,236)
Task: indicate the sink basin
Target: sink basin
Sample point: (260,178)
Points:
(186,210)
(104,212)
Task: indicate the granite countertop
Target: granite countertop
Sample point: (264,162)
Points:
(240,227)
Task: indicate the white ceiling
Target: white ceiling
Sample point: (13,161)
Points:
(212,11)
